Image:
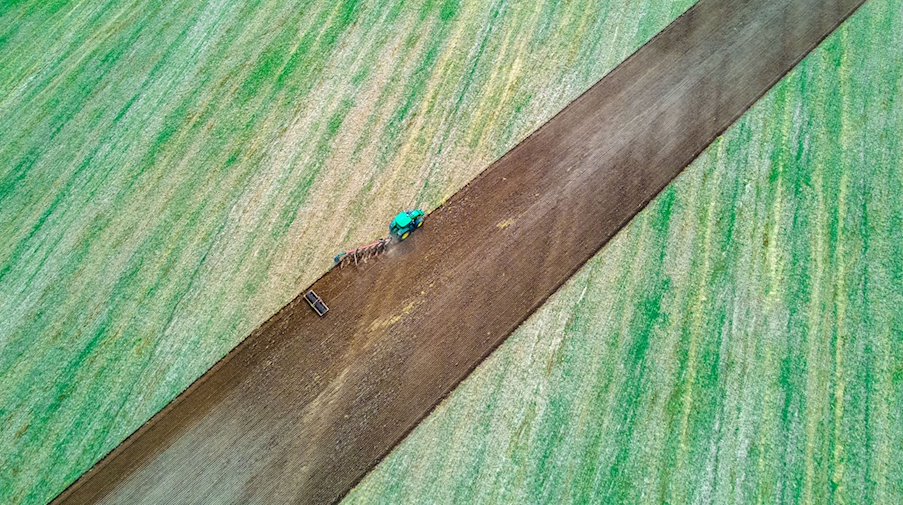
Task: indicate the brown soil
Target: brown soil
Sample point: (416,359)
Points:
(304,407)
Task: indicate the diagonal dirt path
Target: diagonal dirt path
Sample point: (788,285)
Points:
(304,407)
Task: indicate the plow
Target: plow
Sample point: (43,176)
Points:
(363,253)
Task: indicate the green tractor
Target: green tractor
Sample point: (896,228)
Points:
(406,222)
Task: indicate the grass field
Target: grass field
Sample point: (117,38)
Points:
(740,342)
(171,173)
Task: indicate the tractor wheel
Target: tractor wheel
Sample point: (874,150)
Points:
(405,235)
(420,223)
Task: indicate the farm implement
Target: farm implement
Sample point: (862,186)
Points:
(363,253)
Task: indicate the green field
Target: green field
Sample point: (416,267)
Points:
(740,342)
(171,173)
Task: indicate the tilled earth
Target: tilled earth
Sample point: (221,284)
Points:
(306,406)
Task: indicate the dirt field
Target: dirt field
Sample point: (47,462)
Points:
(305,406)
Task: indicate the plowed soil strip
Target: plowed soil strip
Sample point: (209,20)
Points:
(303,408)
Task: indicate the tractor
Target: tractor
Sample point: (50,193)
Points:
(401,227)
(406,222)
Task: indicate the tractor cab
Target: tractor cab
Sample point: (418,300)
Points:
(406,222)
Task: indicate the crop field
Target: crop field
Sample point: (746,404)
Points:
(740,342)
(171,173)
